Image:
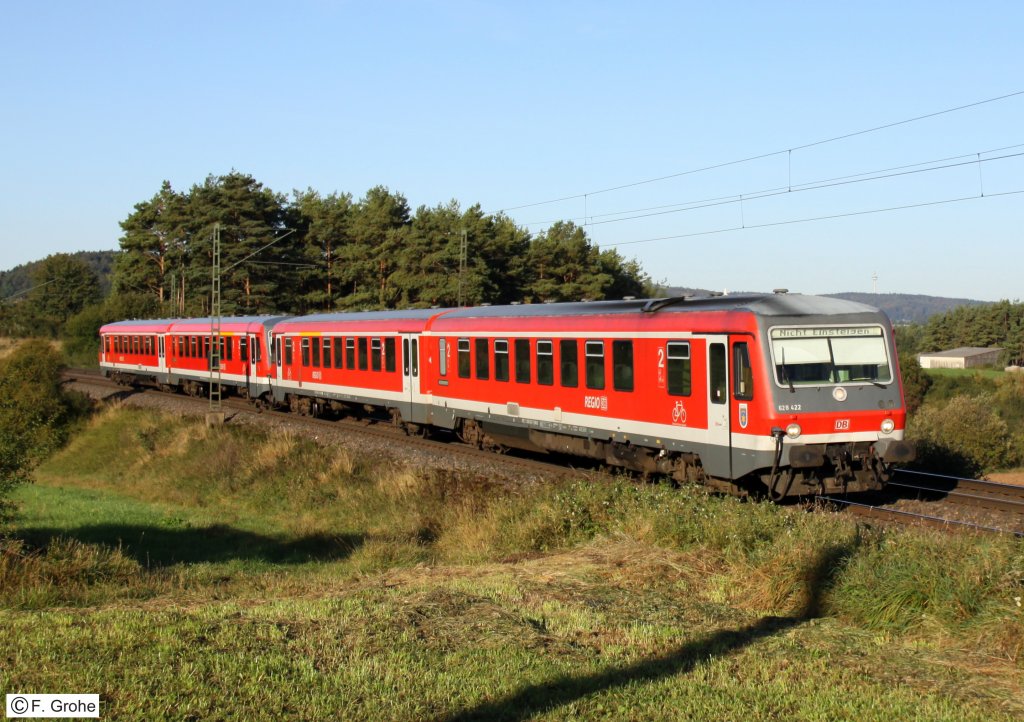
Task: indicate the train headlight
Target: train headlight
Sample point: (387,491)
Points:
(888,425)
(793,431)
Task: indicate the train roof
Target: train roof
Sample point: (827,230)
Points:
(411,314)
(760,304)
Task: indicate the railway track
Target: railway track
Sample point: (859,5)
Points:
(946,502)
(379,428)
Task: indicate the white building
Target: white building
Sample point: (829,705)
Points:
(960,358)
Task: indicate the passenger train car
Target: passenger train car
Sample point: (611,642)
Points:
(787,393)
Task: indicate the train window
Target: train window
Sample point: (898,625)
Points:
(338,350)
(288,352)
(350,353)
(742,374)
(194,349)
(257,349)
(678,363)
(106,344)
(362,353)
(415,357)
(375,354)
(314,347)
(483,365)
(135,345)
(243,350)
(500,359)
(224,346)
(622,365)
(522,347)
(545,363)
(146,341)
(275,350)
(229,349)
(595,364)
(206,348)
(718,388)
(305,351)
(442,354)
(389,355)
(463,359)
(112,343)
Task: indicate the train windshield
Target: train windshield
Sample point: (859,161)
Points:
(818,356)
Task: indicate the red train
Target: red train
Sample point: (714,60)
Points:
(790,393)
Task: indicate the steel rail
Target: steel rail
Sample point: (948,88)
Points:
(898,515)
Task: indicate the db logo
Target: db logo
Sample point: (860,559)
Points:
(842,424)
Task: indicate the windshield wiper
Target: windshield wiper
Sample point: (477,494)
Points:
(785,376)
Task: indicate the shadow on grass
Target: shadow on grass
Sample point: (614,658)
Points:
(541,698)
(158,546)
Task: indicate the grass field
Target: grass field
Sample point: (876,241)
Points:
(985,373)
(184,572)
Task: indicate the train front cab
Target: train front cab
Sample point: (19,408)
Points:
(832,408)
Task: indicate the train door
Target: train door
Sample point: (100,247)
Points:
(160,351)
(252,363)
(410,374)
(717,458)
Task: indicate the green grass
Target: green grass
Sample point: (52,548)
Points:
(192,573)
(985,373)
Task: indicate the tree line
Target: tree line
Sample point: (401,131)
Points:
(998,324)
(312,252)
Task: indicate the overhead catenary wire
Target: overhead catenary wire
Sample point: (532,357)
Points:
(850,214)
(760,156)
(808,185)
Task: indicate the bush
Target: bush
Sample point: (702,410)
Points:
(964,436)
(35,412)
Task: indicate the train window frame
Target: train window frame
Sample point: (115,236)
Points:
(350,353)
(545,351)
(106,344)
(622,365)
(718,374)
(304,351)
(339,351)
(594,371)
(288,353)
(482,362)
(442,355)
(314,348)
(521,349)
(742,372)
(363,345)
(684,363)
(501,365)
(375,354)
(462,360)
(136,342)
(229,348)
(325,352)
(390,361)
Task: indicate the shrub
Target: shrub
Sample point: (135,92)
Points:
(35,412)
(964,436)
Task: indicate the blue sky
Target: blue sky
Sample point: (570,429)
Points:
(506,104)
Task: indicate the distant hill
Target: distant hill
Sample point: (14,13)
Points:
(900,307)
(19,278)
(907,307)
